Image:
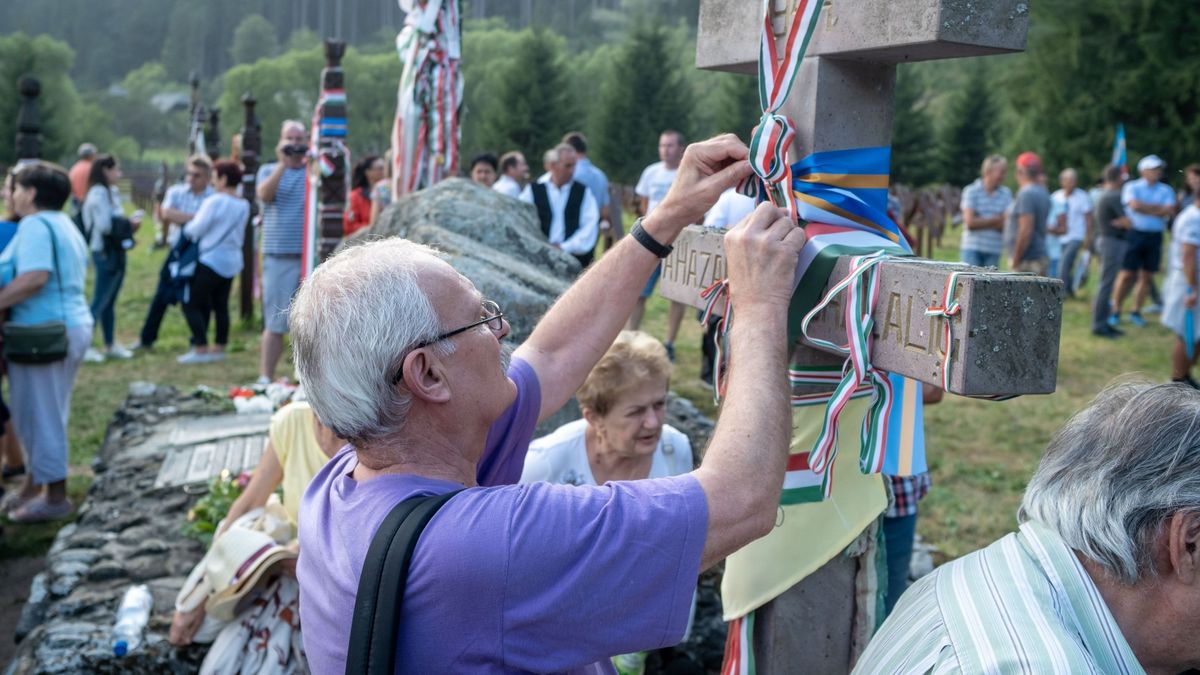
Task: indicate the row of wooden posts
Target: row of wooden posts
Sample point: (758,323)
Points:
(203,129)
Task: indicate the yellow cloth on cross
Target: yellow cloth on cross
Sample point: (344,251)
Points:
(807,536)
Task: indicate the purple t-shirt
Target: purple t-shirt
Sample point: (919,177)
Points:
(507,578)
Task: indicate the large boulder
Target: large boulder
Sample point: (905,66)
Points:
(493,240)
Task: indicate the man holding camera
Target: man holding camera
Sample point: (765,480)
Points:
(281,187)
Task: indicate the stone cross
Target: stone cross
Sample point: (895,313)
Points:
(251,152)
(1006,338)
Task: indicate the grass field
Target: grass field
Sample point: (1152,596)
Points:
(982,453)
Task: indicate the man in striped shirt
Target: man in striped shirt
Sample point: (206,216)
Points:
(1103,575)
(281,188)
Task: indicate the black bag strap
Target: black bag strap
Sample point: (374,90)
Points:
(377,604)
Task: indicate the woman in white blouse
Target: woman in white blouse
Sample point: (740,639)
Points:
(218,228)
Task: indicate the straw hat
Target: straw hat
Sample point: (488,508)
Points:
(239,559)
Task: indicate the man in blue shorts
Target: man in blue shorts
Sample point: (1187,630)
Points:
(1149,204)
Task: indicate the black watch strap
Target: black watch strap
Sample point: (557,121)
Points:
(643,237)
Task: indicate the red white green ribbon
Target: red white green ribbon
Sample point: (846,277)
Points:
(716,295)
(861,287)
(776,76)
(739,647)
(425,135)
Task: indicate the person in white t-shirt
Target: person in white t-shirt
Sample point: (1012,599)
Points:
(1180,292)
(1074,210)
(514,172)
(652,186)
(623,434)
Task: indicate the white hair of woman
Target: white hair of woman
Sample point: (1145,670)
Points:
(1117,472)
(352,322)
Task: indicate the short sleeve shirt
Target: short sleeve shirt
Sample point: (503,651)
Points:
(561,456)
(1035,201)
(731,207)
(1186,231)
(299,454)
(505,577)
(1076,205)
(1108,209)
(654,184)
(61,298)
(1141,191)
(985,205)
(283,218)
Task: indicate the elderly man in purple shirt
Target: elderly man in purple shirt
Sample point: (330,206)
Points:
(402,356)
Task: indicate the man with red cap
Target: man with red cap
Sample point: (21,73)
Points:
(1025,226)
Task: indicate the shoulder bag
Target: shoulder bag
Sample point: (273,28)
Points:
(41,342)
(381,587)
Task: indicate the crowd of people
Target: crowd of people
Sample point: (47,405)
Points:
(579,551)
(1120,223)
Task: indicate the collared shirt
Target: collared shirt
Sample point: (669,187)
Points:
(584,239)
(907,492)
(1077,206)
(594,179)
(507,186)
(1025,604)
(1158,194)
(283,217)
(985,205)
(181,198)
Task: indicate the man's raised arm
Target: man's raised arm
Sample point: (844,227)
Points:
(582,325)
(742,472)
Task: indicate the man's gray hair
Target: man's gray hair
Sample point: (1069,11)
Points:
(553,154)
(990,161)
(291,123)
(1117,472)
(353,321)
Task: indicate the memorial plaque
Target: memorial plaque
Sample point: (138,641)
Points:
(192,464)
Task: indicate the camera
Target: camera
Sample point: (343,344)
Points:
(293,149)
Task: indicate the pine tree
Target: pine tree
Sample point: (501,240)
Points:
(737,105)
(645,95)
(533,109)
(963,141)
(912,137)
(254,39)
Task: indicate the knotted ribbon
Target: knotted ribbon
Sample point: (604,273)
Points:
(774,133)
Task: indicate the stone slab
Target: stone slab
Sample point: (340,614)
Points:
(201,463)
(202,429)
(879,31)
(1005,341)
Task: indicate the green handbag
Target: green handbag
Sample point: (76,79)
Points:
(41,342)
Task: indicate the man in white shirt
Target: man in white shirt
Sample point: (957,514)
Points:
(653,185)
(1074,214)
(566,208)
(514,171)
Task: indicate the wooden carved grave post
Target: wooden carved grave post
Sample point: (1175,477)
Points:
(1006,338)
(29,121)
(251,149)
(328,167)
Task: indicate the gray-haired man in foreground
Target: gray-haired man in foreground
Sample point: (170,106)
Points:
(402,356)
(1103,575)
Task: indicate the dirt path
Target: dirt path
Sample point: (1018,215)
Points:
(16,573)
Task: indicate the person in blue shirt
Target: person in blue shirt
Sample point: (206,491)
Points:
(1150,205)
(47,264)
(10,448)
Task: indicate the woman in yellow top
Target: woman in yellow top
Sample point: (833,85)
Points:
(298,445)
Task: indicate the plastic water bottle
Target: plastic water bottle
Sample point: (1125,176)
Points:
(131,619)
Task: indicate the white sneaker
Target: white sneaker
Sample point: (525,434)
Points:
(192,357)
(93,356)
(215,356)
(119,352)
(262,381)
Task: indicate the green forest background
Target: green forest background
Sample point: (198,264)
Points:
(620,70)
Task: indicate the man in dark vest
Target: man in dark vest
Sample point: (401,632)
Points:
(566,208)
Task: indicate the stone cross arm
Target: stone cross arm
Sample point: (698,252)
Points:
(1004,341)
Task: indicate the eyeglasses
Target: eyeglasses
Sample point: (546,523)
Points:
(489,314)
(193,174)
